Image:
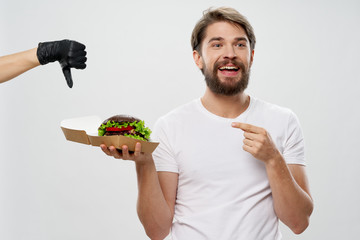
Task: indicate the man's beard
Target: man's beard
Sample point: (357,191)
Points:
(229,87)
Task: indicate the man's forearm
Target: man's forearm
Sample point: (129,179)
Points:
(292,204)
(153,210)
(16,64)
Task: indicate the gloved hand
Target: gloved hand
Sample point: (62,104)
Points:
(68,53)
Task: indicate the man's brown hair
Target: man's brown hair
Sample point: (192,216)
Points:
(221,14)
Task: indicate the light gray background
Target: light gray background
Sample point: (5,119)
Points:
(140,63)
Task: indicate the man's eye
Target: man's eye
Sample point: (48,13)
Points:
(217,45)
(241,45)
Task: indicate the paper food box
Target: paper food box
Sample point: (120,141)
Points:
(85,130)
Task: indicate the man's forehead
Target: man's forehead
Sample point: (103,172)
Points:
(225,30)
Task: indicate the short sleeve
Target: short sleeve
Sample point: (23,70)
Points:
(163,155)
(294,148)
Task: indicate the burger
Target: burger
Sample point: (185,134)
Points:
(125,125)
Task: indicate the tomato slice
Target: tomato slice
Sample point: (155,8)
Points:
(116,129)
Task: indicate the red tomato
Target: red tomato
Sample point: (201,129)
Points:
(116,129)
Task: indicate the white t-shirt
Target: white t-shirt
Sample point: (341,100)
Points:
(223,191)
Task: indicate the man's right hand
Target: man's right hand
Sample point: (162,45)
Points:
(70,54)
(137,156)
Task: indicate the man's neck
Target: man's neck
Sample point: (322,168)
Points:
(225,106)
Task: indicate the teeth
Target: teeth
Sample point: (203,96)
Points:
(229,68)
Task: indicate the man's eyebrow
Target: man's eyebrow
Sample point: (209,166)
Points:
(215,39)
(220,39)
(241,39)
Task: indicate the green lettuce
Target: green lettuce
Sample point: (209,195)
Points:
(139,127)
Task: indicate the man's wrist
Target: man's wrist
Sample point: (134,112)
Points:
(275,161)
(144,168)
(146,162)
(33,57)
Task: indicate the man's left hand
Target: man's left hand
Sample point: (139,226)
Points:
(258,142)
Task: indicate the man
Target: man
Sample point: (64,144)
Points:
(228,165)
(70,54)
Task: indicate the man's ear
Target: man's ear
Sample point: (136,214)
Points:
(252,57)
(198,59)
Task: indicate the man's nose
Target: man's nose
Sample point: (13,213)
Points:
(229,52)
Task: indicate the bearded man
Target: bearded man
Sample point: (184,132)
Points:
(228,166)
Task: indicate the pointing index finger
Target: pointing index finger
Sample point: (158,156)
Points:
(245,127)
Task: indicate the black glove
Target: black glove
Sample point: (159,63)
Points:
(68,53)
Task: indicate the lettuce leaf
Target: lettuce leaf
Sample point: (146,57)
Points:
(139,127)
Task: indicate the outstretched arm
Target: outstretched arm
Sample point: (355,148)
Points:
(15,64)
(70,54)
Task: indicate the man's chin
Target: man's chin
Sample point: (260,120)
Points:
(220,84)
(226,79)
(229,82)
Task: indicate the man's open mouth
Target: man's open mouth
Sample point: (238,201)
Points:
(229,68)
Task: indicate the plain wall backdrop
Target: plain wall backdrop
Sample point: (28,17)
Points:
(140,63)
